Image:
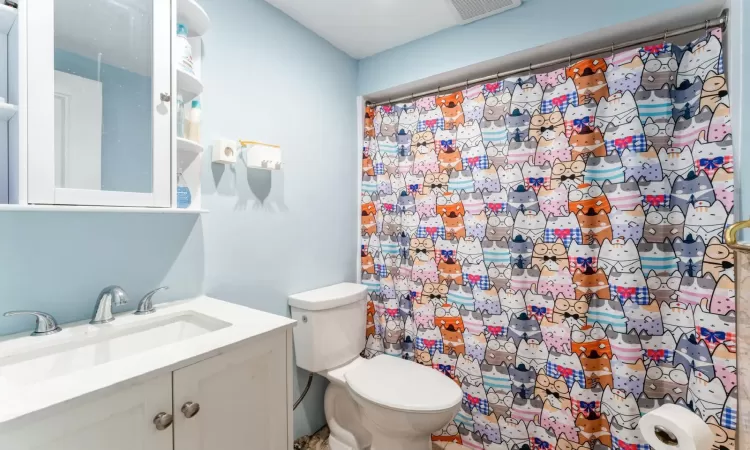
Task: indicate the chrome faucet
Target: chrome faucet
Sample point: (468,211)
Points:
(110,296)
(146,306)
(45,323)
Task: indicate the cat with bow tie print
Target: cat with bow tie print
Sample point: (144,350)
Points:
(578,118)
(628,135)
(538,249)
(547,126)
(568,174)
(712,156)
(560,96)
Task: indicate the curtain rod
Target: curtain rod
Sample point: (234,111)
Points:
(720,21)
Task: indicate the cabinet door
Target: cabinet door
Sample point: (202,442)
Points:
(122,420)
(243,397)
(98,111)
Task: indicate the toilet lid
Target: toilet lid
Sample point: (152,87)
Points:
(403,385)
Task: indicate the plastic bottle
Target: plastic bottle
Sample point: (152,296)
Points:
(184,197)
(180,116)
(194,121)
(183,49)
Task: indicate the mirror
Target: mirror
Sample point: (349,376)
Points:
(103,95)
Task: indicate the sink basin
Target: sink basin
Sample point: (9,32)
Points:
(87,346)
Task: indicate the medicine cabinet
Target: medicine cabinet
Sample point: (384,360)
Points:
(95,85)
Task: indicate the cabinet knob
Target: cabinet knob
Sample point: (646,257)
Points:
(163,421)
(190,409)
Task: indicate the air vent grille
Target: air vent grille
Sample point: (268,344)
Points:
(471,10)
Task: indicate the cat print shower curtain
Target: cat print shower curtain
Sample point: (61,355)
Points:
(554,244)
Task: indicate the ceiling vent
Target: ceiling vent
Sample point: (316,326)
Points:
(471,10)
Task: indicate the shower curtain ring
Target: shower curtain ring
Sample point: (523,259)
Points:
(664,42)
(570,58)
(613,53)
(529,76)
(707,21)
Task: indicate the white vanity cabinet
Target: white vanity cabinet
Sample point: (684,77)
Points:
(121,420)
(243,400)
(239,399)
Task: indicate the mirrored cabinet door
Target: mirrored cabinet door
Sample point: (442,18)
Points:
(99,102)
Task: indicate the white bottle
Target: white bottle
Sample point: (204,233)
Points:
(180,116)
(183,49)
(194,121)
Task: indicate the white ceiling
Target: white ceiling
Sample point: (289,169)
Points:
(364,27)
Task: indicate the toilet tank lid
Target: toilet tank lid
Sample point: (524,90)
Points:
(328,297)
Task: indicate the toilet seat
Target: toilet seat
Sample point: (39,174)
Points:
(410,387)
(337,375)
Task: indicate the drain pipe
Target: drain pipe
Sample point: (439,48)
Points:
(304,392)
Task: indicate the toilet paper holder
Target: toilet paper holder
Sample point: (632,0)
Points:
(665,436)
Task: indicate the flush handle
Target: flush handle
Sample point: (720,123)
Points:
(163,421)
(165,97)
(190,409)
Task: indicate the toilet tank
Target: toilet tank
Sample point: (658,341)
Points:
(330,327)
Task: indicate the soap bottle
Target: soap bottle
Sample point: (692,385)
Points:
(194,121)
(180,116)
(184,197)
(183,48)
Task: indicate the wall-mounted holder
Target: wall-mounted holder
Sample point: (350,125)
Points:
(224,152)
(262,156)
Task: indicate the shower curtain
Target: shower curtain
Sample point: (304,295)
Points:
(554,244)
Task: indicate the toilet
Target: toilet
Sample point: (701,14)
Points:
(384,403)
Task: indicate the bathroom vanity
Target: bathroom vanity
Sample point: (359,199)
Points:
(199,374)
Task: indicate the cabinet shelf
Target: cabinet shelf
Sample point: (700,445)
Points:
(97,209)
(186,145)
(194,16)
(7,111)
(189,85)
(8,17)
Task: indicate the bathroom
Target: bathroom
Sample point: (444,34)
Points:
(236,243)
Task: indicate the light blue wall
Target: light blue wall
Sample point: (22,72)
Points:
(267,235)
(271,234)
(535,23)
(126,122)
(59,262)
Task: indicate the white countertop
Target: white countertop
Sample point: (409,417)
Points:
(24,401)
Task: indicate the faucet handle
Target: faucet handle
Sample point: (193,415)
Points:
(146,306)
(45,323)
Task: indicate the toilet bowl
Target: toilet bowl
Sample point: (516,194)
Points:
(364,410)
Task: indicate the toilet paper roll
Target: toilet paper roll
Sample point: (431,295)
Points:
(689,431)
